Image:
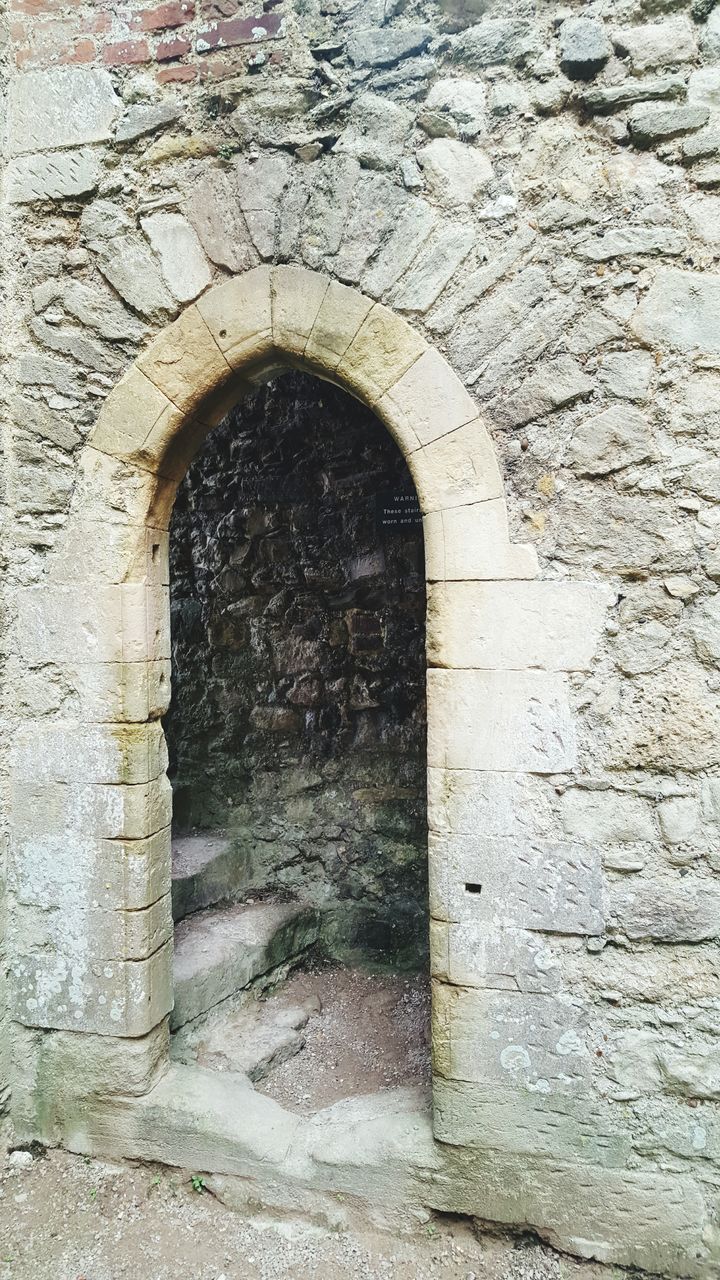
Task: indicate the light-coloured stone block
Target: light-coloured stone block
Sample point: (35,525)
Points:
(79,813)
(472,542)
(513,625)
(342,311)
(382,351)
(69,751)
(473,954)
(105,692)
(128,415)
(125,623)
(681,310)
(239,317)
(463,801)
(184,265)
(100,553)
(426,401)
(86,934)
(68,866)
(535,1042)
(296,298)
(503,882)
(457,469)
(56,176)
(507,720)
(122,997)
(185,362)
(60,107)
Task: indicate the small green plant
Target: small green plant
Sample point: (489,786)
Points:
(93,1193)
(226,151)
(431,1229)
(155,1182)
(197,1183)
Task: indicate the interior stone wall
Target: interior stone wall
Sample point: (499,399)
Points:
(535,190)
(297,724)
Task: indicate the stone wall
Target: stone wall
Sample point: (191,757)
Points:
(537,193)
(297,724)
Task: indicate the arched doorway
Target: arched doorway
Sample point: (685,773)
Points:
(92,805)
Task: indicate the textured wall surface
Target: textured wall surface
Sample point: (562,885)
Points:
(536,192)
(297,724)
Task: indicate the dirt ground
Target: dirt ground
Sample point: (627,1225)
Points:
(370,1031)
(63,1217)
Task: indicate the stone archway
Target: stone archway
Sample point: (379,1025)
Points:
(91,800)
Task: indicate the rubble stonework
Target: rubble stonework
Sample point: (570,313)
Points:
(500,230)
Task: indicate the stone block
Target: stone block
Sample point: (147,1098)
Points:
(472,543)
(529,1042)
(497,42)
(56,176)
(68,751)
(213,208)
(657,44)
(184,265)
(297,295)
(382,351)
(584,47)
(513,625)
(553,385)
(472,954)
(124,623)
(651,124)
(384,46)
(610,441)
(682,909)
(428,401)
(185,363)
(85,934)
(510,720)
(461,801)
(458,469)
(342,312)
(60,107)
(607,817)
(105,692)
(531,1125)
(545,885)
(454,172)
(128,415)
(69,811)
(115,998)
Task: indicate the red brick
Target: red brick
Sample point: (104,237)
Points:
(84,51)
(176,75)
(125,53)
(169,49)
(234,31)
(211,10)
(174,14)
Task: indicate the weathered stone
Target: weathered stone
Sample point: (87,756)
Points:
(657,44)
(584,47)
(525,721)
(454,172)
(213,208)
(616,96)
(511,41)
(606,817)
(555,383)
(704,89)
(94,307)
(52,177)
(705,629)
(676,911)
(126,260)
(622,241)
(385,46)
(401,248)
(435,266)
(627,374)
(551,625)
(184,265)
(700,145)
(681,310)
(652,124)
(260,185)
(140,120)
(60,107)
(679,819)
(462,103)
(377,131)
(612,440)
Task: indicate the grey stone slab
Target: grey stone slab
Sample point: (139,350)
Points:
(54,176)
(60,107)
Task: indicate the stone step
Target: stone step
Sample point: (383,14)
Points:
(220,951)
(206,869)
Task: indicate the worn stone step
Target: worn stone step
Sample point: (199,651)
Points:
(220,951)
(206,869)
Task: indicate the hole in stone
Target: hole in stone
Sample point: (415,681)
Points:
(155,551)
(471,887)
(296,739)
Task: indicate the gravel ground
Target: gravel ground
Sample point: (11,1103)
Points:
(64,1217)
(371,1031)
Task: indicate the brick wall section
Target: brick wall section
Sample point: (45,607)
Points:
(183,40)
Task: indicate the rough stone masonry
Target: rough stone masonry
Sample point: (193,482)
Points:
(533,189)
